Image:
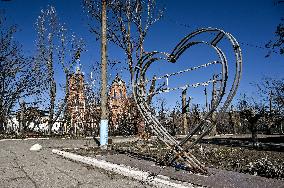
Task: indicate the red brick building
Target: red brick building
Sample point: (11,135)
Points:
(76,101)
(86,116)
(118,101)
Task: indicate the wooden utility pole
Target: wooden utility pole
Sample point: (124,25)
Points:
(213,105)
(213,100)
(184,113)
(104,110)
(206,99)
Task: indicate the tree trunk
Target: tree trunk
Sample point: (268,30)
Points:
(22,118)
(254,134)
(104,110)
(66,110)
(104,114)
(52,106)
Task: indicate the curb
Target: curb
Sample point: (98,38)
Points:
(16,139)
(159,181)
(116,139)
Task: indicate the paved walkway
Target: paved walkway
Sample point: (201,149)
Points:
(20,167)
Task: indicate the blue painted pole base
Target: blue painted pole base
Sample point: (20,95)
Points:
(104,133)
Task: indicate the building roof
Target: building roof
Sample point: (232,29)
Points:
(117,80)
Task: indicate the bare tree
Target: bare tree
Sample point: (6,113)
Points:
(28,116)
(272,92)
(128,24)
(251,113)
(129,119)
(53,46)
(16,74)
(47,28)
(278,42)
(69,52)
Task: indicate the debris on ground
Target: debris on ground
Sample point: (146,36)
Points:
(264,163)
(36,147)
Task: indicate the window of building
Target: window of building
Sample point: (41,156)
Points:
(114,94)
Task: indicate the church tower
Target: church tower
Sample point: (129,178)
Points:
(76,100)
(118,101)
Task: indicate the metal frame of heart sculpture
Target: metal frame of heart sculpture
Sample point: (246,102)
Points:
(179,149)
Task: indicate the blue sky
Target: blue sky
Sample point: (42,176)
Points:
(252,23)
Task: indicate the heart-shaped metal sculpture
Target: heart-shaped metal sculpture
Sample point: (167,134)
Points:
(179,150)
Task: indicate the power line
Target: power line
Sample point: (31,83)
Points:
(240,42)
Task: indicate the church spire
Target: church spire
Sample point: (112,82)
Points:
(77,59)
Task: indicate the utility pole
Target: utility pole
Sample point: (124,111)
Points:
(213,100)
(184,112)
(104,110)
(213,105)
(206,99)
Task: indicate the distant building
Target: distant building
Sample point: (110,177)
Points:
(118,101)
(76,100)
(85,117)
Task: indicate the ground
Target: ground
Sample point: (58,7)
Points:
(266,162)
(227,154)
(20,167)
